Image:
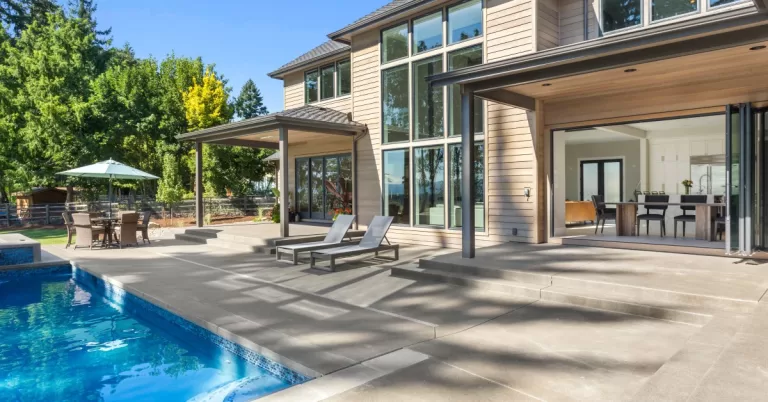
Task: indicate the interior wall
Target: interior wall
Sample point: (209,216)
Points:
(628,150)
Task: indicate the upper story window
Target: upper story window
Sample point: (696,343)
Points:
(661,9)
(616,15)
(465,21)
(328,82)
(394,43)
(621,14)
(428,32)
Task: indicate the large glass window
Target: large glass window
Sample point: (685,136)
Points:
(326,82)
(344,78)
(394,43)
(429,171)
(394,93)
(302,185)
(428,33)
(454,175)
(397,186)
(465,21)
(661,9)
(317,187)
(620,14)
(311,86)
(428,100)
(467,57)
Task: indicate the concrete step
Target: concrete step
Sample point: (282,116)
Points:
(226,243)
(620,303)
(487,272)
(497,285)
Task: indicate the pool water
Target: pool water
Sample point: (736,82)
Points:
(60,341)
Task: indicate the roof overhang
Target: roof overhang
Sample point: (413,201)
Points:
(263,132)
(761,5)
(280,73)
(724,30)
(389,16)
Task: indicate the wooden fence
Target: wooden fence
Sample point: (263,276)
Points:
(51,214)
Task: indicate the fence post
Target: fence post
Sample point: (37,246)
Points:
(47,214)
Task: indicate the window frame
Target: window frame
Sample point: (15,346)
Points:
(698,10)
(412,90)
(643,10)
(412,33)
(445,141)
(338,76)
(384,212)
(448,106)
(451,223)
(448,17)
(408,42)
(306,92)
(414,197)
(320,82)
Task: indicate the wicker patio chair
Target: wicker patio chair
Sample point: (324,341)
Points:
(126,229)
(86,233)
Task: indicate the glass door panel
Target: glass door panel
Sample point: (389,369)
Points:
(302,187)
(733,160)
(612,181)
(588,181)
(317,201)
(345,182)
(332,199)
(602,177)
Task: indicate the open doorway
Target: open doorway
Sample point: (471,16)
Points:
(677,161)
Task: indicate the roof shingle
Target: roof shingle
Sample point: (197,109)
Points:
(327,49)
(385,11)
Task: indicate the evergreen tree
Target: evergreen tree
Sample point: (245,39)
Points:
(250,102)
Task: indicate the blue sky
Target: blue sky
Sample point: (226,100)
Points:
(245,38)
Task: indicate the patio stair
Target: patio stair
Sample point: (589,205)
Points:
(695,309)
(226,241)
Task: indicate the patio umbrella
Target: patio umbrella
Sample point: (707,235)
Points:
(109,170)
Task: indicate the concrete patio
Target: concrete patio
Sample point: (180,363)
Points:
(368,335)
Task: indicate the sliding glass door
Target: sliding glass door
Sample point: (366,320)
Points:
(745,161)
(602,177)
(323,185)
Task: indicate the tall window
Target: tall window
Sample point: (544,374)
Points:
(323,186)
(394,93)
(394,43)
(465,21)
(602,177)
(326,82)
(428,33)
(421,124)
(427,100)
(620,14)
(344,78)
(396,185)
(311,86)
(462,58)
(454,209)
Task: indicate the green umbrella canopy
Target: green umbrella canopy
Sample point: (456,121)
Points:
(109,170)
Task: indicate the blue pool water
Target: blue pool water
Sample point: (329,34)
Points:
(62,341)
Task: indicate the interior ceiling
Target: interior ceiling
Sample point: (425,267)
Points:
(676,127)
(680,71)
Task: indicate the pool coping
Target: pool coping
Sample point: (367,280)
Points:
(212,328)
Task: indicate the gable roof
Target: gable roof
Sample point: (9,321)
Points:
(388,10)
(327,49)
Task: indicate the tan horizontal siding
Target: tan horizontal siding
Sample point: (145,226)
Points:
(548,24)
(343,104)
(293,89)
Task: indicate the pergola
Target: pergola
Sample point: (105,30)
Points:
(276,131)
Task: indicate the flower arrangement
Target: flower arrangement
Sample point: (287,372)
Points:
(687,183)
(340,211)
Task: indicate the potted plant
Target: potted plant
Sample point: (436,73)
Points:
(687,183)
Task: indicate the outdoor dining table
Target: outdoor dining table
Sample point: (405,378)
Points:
(107,222)
(626,216)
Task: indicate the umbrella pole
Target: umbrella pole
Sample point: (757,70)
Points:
(109,196)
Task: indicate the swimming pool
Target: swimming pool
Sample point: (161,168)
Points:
(71,336)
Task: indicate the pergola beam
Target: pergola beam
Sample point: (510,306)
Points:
(508,98)
(624,129)
(199,184)
(245,143)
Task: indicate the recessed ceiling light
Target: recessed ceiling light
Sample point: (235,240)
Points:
(760,47)
(630,70)
(546,85)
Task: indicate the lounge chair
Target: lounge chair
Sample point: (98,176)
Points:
(86,232)
(127,228)
(333,239)
(371,243)
(144,226)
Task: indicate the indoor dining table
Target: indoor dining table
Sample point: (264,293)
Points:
(626,216)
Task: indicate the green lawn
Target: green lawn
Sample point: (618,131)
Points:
(45,236)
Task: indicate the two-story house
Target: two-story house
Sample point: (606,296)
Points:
(532,120)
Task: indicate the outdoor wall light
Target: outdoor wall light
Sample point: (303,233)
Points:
(761,47)
(527,193)
(630,70)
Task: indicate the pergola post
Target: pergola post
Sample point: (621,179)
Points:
(354,182)
(282,182)
(199,183)
(467,173)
